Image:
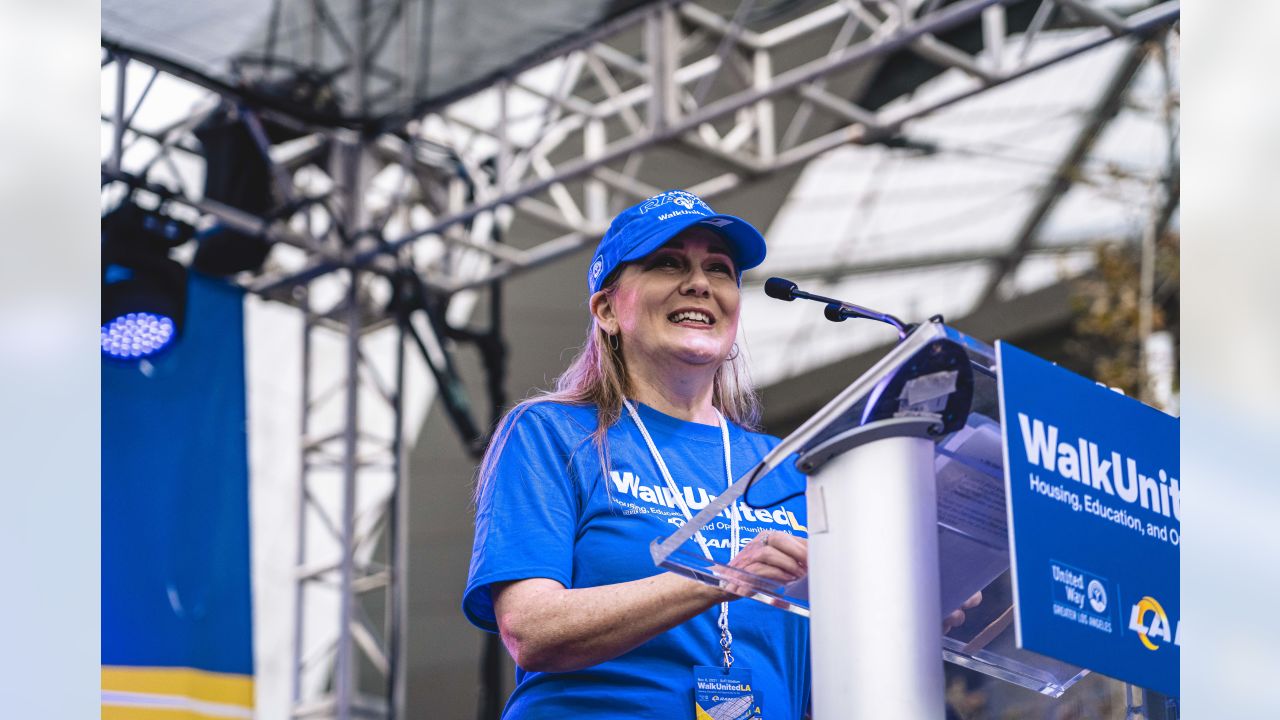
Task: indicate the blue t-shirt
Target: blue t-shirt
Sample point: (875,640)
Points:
(549,512)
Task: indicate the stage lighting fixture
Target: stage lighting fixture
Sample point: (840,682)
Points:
(137,335)
(144,292)
(237,173)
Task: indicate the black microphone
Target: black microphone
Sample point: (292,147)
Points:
(780,288)
(784,289)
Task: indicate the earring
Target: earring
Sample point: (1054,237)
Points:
(733,354)
(614,343)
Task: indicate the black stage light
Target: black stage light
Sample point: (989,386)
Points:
(237,173)
(144,293)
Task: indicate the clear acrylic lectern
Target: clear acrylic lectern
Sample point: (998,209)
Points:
(907,519)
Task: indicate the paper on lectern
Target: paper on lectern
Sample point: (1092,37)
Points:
(973,544)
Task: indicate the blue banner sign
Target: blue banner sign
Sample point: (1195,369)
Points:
(1094,507)
(177,626)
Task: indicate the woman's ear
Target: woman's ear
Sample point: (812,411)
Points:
(601,305)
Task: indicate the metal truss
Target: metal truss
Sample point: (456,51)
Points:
(351,522)
(1068,171)
(679,77)
(673,77)
(1065,174)
(561,144)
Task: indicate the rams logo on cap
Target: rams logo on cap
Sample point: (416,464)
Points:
(684,199)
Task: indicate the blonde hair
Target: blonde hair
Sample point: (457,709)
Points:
(597,376)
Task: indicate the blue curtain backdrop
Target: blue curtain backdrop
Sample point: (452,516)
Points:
(175,515)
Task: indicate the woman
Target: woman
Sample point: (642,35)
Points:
(651,420)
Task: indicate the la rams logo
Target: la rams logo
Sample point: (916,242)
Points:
(1157,628)
(686,200)
(597,267)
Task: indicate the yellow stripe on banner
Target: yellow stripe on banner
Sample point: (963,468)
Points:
(200,685)
(118,712)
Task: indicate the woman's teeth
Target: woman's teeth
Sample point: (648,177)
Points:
(690,316)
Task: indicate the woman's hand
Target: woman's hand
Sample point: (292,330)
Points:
(956,618)
(777,556)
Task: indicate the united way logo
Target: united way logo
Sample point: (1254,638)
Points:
(1097,596)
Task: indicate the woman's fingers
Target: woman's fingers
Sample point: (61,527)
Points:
(954,620)
(773,572)
(793,547)
(957,617)
(773,563)
(776,556)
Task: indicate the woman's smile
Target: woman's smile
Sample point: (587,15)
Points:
(695,318)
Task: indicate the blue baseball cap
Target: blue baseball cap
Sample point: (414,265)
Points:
(647,226)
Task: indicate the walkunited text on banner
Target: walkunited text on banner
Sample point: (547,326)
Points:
(1115,476)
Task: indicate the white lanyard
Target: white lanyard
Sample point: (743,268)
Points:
(726,637)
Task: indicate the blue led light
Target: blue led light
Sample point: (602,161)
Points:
(136,335)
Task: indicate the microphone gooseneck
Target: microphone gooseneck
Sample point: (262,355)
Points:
(836,310)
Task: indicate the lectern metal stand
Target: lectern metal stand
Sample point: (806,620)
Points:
(874,583)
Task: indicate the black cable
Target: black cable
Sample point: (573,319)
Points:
(747,492)
(451,392)
(409,294)
(767,505)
